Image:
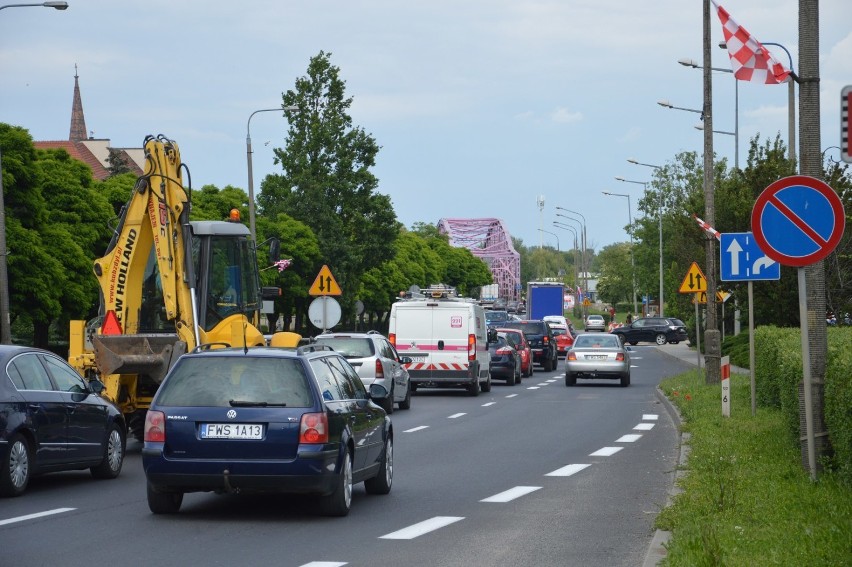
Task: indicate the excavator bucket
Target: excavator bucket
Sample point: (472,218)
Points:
(152,355)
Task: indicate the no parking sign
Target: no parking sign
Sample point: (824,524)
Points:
(798,220)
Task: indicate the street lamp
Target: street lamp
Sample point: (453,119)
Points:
(686,62)
(584,245)
(700,126)
(657,167)
(555,236)
(630,230)
(5,320)
(666,104)
(562,226)
(248,159)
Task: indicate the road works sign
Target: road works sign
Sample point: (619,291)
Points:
(701,297)
(741,259)
(798,220)
(694,281)
(325,284)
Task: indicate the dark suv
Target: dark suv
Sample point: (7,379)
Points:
(661,330)
(541,338)
(263,419)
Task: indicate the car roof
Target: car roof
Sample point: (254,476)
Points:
(262,351)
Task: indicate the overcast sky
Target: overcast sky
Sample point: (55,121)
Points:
(479,106)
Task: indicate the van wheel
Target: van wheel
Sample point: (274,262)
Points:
(487,386)
(473,389)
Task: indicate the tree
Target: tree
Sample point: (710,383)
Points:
(326,181)
(118,162)
(616,280)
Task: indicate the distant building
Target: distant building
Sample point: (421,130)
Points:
(91,151)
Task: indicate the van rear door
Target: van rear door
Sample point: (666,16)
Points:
(412,326)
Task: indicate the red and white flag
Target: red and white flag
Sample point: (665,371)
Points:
(749,59)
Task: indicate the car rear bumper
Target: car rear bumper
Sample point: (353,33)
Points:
(597,369)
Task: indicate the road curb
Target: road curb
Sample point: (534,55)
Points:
(657,548)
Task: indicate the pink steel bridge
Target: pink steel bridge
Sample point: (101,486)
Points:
(488,239)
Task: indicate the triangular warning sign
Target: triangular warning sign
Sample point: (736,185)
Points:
(325,284)
(111,326)
(694,281)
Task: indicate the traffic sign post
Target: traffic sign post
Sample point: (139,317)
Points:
(798,221)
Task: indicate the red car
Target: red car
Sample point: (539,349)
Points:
(518,341)
(564,338)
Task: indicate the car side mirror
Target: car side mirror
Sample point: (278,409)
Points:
(377,392)
(96,386)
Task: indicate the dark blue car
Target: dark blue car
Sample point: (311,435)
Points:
(505,360)
(266,420)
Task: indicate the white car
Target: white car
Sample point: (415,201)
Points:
(558,319)
(595,323)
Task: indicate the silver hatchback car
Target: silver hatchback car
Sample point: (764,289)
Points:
(375,360)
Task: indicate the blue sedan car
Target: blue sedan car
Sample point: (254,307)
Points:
(266,419)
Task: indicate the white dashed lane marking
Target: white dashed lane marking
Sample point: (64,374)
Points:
(325,564)
(423,527)
(34,516)
(485,405)
(532,388)
(649,417)
(511,494)
(628,438)
(455,415)
(644,427)
(567,470)
(606,452)
(511,395)
(413,429)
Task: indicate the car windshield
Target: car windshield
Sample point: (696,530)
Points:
(349,347)
(528,327)
(596,341)
(217,381)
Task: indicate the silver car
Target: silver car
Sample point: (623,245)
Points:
(597,356)
(375,360)
(595,323)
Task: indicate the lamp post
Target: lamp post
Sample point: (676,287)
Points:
(584,245)
(248,159)
(554,235)
(5,319)
(694,64)
(630,230)
(657,167)
(701,127)
(562,226)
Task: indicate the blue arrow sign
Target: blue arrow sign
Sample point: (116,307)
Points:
(743,260)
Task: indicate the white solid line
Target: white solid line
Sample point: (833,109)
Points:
(485,405)
(455,415)
(413,429)
(532,387)
(567,470)
(628,438)
(423,527)
(606,452)
(34,516)
(325,564)
(650,416)
(511,395)
(644,427)
(511,494)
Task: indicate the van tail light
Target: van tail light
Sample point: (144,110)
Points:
(392,339)
(155,427)
(380,370)
(620,357)
(471,347)
(313,428)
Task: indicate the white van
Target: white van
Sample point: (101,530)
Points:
(446,339)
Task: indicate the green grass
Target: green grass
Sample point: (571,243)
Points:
(747,499)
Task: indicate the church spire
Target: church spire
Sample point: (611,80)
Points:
(78,122)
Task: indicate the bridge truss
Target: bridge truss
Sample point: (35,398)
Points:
(488,239)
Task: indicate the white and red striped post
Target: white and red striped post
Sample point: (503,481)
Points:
(726,386)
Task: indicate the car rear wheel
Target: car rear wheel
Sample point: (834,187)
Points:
(15,472)
(164,502)
(634,343)
(406,403)
(339,502)
(625,380)
(381,483)
(110,467)
(570,379)
(661,339)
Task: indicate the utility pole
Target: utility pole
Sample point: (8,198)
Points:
(712,342)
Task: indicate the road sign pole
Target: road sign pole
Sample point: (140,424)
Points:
(806,372)
(751,347)
(698,334)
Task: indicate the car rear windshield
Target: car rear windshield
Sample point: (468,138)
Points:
(677,322)
(596,341)
(350,347)
(496,316)
(528,327)
(217,381)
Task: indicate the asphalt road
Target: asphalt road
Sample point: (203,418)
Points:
(532,474)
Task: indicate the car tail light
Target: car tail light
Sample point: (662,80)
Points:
(545,339)
(620,357)
(380,370)
(313,428)
(392,339)
(504,351)
(571,355)
(471,347)
(155,426)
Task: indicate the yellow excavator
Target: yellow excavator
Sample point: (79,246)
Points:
(167,285)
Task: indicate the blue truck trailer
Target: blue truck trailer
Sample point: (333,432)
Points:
(545,298)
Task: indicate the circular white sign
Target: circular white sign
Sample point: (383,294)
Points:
(324,312)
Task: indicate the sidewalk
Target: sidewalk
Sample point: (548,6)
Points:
(687,353)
